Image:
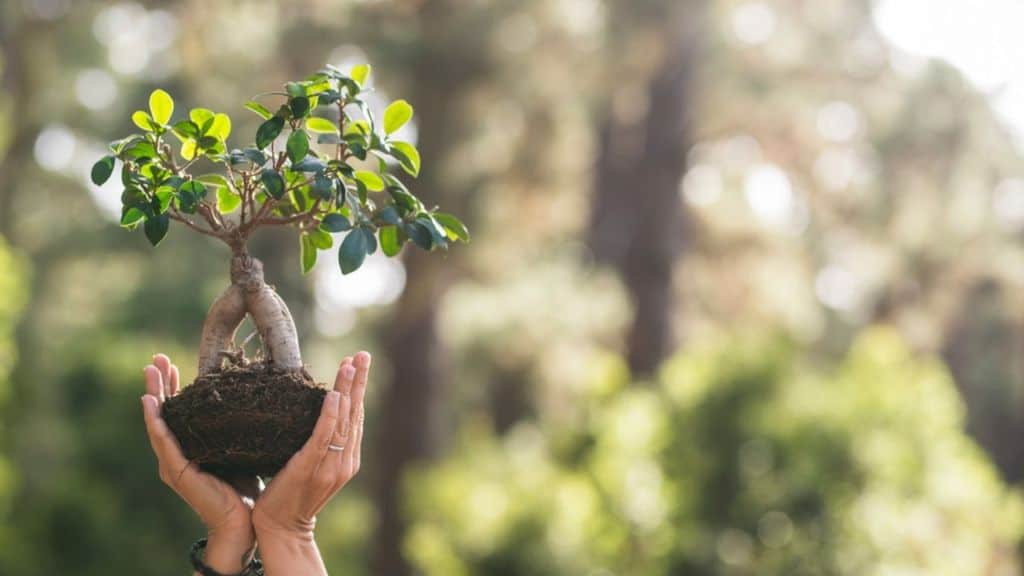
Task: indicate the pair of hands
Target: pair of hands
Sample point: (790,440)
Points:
(283,516)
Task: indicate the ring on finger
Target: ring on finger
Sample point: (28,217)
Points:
(335,447)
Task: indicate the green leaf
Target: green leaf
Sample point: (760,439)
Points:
(438,235)
(335,222)
(273,182)
(322,187)
(321,125)
(185,129)
(321,239)
(371,180)
(131,216)
(221,127)
(189,195)
(259,109)
(309,164)
(419,234)
(294,89)
(454,227)
(408,156)
(156,228)
(389,242)
(298,146)
(268,131)
(102,170)
(227,201)
(163,196)
(360,73)
(353,251)
(299,106)
(307,252)
(390,215)
(396,115)
(215,180)
(195,188)
(143,120)
(255,156)
(200,116)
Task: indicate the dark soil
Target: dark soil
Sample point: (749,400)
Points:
(247,421)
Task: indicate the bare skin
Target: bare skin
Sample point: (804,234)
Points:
(283,519)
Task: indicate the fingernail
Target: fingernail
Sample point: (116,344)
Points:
(348,372)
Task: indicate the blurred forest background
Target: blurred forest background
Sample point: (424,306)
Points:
(744,296)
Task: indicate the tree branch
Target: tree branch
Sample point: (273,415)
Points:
(175,215)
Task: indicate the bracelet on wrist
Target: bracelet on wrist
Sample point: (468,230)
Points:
(253,568)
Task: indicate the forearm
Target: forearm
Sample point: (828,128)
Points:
(289,554)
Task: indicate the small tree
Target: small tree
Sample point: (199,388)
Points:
(242,416)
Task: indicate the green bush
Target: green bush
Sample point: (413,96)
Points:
(743,458)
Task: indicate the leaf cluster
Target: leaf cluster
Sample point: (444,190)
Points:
(320,162)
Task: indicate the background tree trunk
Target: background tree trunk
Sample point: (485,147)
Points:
(638,224)
(442,69)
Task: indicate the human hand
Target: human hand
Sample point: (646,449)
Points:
(285,513)
(227,516)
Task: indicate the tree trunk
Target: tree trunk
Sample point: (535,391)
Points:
(441,71)
(638,224)
(410,408)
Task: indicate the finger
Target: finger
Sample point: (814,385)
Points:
(154,383)
(344,379)
(175,379)
(335,466)
(165,446)
(163,363)
(362,366)
(362,362)
(343,385)
(314,450)
(357,437)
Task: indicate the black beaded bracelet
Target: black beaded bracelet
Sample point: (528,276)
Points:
(254,568)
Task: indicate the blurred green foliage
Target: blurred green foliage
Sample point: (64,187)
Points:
(743,458)
(13,280)
(832,183)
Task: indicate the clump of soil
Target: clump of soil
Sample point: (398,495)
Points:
(245,421)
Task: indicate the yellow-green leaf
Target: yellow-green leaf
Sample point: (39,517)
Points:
(259,109)
(357,127)
(188,149)
(396,115)
(372,180)
(307,251)
(227,201)
(221,127)
(142,120)
(360,73)
(161,106)
(200,116)
(321,126)
(407,156)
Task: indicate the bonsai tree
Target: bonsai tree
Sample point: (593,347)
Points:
(321,163)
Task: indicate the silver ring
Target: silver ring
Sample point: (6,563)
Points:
(335,447)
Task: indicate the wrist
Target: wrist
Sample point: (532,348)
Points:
(230,550)
(266,528)
(289,552)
